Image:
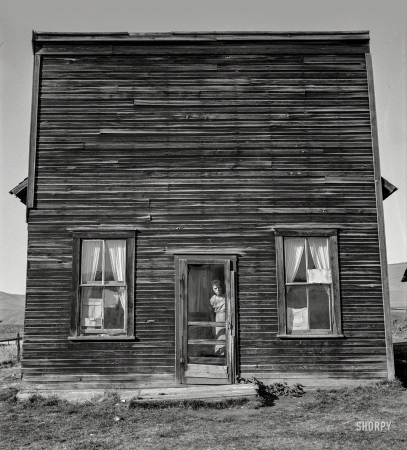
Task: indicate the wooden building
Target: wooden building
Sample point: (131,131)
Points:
(160,163)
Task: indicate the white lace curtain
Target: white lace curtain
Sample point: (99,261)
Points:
(320,254)
(91,310)
(319,251)
(117,255)
(90,259)
(294,249)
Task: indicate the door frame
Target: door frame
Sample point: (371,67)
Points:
(181,264)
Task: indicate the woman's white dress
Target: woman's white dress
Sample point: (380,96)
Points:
(219,306)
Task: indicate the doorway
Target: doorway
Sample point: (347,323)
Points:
(206,319)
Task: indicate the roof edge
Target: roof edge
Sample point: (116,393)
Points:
(20,191)
(74,37)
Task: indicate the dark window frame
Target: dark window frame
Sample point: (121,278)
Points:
(332,235)
(78,237)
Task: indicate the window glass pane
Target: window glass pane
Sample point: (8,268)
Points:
(295,265)
(319,250)
(115,261)
(319,306)
(318,261)
(103,308)
(301,275)
(91,262)
(92,307)
(311,264)
(114,302)
(297,311)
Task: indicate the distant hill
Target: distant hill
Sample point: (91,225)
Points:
(12,309)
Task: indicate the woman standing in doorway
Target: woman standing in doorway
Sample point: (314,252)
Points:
(218,303)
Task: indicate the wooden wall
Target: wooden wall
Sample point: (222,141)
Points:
(203,146)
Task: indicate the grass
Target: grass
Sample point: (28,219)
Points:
(318,420)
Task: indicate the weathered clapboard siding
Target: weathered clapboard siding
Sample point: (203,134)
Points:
(202,143)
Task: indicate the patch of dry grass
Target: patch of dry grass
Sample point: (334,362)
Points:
(8,354)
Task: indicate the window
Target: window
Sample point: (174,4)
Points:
(102,304)
(308,283)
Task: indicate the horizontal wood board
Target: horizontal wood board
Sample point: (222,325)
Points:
(203,148)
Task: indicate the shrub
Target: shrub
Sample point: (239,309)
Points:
(8,394)
(39,400)
(111,396)
(270,392)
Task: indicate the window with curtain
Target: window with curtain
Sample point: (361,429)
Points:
(103,303)
(308,283)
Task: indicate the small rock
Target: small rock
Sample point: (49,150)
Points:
(117,418)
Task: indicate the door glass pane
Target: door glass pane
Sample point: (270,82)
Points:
(207,354)
(197,332)
(297,310)
(203,304)
(319,306)
(206,304)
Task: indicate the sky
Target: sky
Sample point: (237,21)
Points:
(385,19)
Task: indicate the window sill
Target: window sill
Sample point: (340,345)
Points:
(310,336)
(101,338)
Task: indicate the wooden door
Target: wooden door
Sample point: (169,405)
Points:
(206,322)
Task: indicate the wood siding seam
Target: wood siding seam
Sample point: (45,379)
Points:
(33,132)
(380,219)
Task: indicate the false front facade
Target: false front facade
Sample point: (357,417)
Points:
(204,206)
